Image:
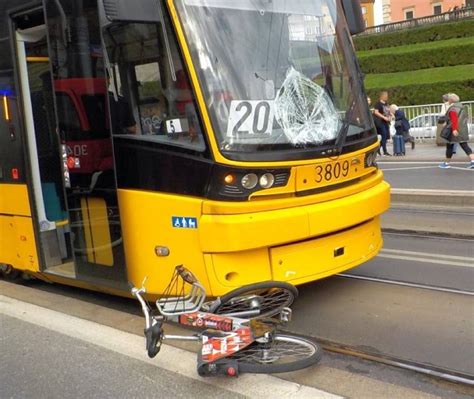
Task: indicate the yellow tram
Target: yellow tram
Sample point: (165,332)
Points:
(230,136)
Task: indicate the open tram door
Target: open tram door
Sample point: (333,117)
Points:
(72,190)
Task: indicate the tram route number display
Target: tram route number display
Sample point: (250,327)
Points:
(250,117)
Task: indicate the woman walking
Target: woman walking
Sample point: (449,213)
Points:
(457,123)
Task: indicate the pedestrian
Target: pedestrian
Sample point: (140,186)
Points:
(445,106)
(402,125)
(442,120)
(382,120)
(458,130)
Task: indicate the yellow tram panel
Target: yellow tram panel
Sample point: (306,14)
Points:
(17,237)
(231,233)
(227,271)
(322,257)
(14,200)
(146,219)
(351,224)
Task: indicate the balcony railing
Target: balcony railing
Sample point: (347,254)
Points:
(456,15)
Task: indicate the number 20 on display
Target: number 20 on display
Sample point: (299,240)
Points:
(250,117)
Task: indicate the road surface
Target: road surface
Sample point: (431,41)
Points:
(427,176)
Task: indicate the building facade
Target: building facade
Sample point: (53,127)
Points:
(402,10)
(368,12)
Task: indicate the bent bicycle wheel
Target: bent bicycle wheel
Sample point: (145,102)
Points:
(257,300)
(284,354)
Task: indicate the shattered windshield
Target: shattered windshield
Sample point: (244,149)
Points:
(277,75)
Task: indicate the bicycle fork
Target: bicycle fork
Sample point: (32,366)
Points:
(153,332)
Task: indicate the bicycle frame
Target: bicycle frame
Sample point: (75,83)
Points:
(222,336)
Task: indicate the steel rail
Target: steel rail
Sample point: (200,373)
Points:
(406,284)
(427,235)
(433,371)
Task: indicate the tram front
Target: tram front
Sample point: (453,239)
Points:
(252,155)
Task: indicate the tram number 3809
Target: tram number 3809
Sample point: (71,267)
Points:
(332,171)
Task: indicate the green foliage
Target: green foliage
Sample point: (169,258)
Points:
(424,76)
(423,59)
(415,57)
(417,66)
(416,94)
(413,48)
(424,34)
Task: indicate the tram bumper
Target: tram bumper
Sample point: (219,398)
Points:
(298,245)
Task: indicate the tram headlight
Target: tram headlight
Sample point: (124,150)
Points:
(239,184)
(267,180)
(250,181)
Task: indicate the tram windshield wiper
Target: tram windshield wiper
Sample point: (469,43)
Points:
(342,136)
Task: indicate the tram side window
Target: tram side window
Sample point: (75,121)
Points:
(151,99)
(151,84)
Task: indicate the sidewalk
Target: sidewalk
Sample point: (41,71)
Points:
(426,199)
(424,152)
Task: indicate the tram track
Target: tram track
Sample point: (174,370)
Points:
(406,284)
(427,235)
(422,368)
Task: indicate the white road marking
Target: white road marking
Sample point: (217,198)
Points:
(172,359)
(410,168)
(419,162)
(432,191)
(426,260)
(425,167)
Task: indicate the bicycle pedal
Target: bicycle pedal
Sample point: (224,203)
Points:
(286,315)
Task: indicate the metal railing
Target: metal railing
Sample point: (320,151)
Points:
(450,16)
(423,119)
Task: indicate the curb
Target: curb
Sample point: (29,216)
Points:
(446,198)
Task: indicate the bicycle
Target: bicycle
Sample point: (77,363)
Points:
(238,331)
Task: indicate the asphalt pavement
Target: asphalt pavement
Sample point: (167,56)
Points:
(40,363)
(426,175)
(50,354)
(432,261)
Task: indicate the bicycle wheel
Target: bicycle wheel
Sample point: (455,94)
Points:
(255,300)
(284,354)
